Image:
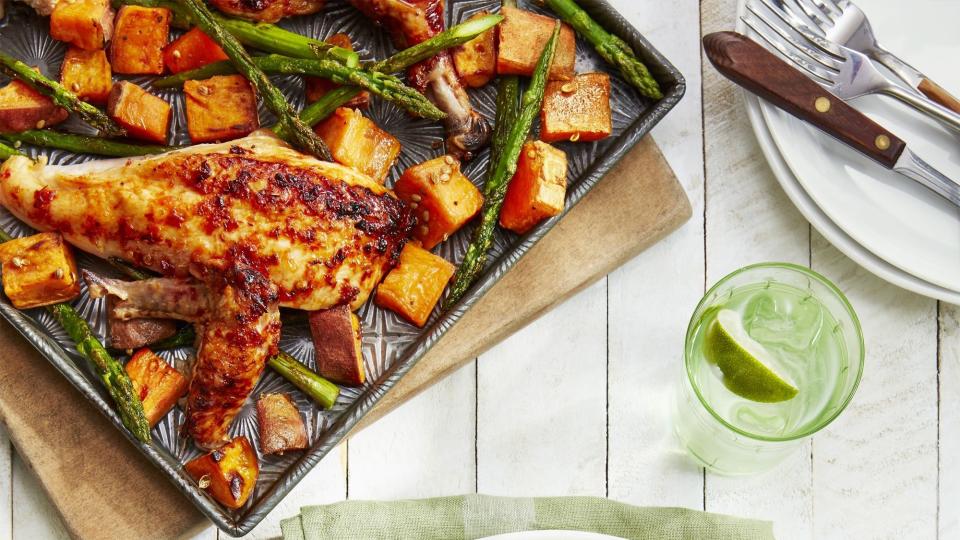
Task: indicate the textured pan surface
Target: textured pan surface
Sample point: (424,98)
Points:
(391,346)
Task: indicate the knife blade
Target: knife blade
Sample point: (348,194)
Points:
(761,72)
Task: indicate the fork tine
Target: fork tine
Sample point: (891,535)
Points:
(837,6)
(785,35)
(827,7)
(814,14)
(819,75)
(785,14)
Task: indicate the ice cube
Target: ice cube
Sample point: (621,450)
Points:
(784,321)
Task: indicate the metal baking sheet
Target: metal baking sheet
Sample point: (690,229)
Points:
(391,346)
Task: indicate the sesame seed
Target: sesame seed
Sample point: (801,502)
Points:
(204,91)
(531,153)
(41,123)
(176,54)
(448,160)
(416,198)
(575,137)
(568,88)
(75,87)
(18,262)
(424,230)
(59,273)
(445,177)
(414,205)
(426,216)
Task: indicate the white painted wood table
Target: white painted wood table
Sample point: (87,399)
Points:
(578,402)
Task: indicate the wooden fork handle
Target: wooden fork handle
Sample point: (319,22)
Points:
(937,93)
(746,63)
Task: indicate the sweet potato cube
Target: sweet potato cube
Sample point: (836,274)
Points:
(23,108)
(192,50)
(441,196)
(220,108)
(317,87)
(138,40)
(476,60)
(87,24)
(142,114)
(87,74)
(577,110)
(229,473)
(38,270)
(281,428)
(357,142)
(524,34)
(156,382)
(414,287)
(336,339)
(538,188)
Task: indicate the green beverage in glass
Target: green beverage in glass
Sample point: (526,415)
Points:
(774,352)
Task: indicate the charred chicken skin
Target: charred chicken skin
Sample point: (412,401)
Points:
(237,229)
(268,10)
(409,22)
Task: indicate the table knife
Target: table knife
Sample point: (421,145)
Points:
(761,72)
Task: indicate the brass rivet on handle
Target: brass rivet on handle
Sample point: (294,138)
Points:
(822,104)
(882,142)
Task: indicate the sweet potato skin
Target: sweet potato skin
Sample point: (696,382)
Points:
(281,427)
(523,35)
(357,142)
(144,115)
(414,287)
(231,472)
(23,108)
(441,196)
(158,385)
(38,270)
(337,341)
(220,108)
(577,110)
(316,87)
(192,50)
(87,24)
(138,40)
(87,74)
(476,60)
(537,190)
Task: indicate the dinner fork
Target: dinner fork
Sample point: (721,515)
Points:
(843,22)
(847,73)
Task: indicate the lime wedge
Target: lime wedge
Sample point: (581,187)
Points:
(745,363)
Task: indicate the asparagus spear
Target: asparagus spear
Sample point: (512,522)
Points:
(289,127)
(506,166)
(388,87)
(6,152)
(613,49)
(458,35)
(82,144)
(60,95)
(263,36)
(111,372)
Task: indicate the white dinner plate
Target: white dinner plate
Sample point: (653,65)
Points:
(552,535)
(895,219)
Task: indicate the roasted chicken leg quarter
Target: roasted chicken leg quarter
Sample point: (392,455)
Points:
(409,22)
(237,229)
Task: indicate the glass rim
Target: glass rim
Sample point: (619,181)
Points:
(843,300)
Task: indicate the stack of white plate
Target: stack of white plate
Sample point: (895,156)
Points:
(889,224)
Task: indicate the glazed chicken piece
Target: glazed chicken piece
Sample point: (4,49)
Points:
(409,22)
(268,10)
(244,227)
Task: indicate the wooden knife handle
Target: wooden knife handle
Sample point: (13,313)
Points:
(746,63)
(937,93)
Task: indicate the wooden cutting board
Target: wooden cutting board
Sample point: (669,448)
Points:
(104,488)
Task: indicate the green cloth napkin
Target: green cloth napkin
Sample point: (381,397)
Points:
(475,516)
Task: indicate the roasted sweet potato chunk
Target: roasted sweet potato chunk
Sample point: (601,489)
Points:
(281,428)
(538,188)
(577,110)
(87,24)
(336,339)
(523,35)
(357,142)
(220,108)
(192,50)
(317,87)
(138,40)
(87,74)
(442,197)
(142,114)
(38,270)
(414,287)
(156,382)
(228,474)
(476,60)
(23,108)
